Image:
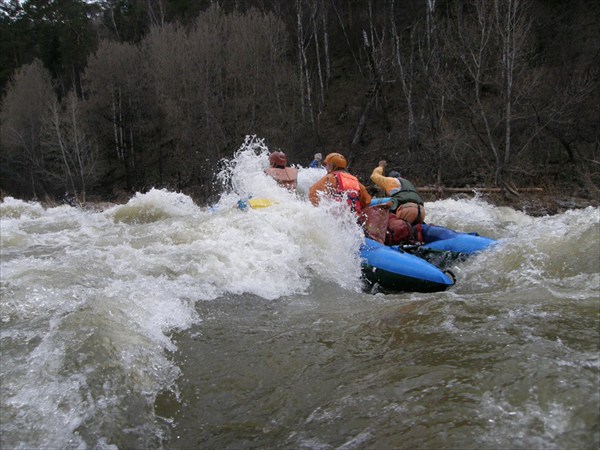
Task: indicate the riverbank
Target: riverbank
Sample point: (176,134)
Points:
(535,203)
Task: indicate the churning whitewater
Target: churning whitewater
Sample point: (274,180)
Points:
(162,324)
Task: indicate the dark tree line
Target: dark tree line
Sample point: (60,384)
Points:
(124,95)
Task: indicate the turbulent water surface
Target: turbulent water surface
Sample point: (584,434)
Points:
(161,324)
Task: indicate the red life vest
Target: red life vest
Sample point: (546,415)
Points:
(348,186)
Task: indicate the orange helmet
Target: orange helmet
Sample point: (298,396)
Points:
(337,160)
(278,159)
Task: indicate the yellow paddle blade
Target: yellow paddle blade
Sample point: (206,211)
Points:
(258,203)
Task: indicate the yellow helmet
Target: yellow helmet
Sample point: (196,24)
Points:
(337,160)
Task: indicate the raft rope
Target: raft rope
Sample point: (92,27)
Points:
(451,275)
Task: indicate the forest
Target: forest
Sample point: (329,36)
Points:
(102,99)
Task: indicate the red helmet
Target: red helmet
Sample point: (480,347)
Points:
(337,160)
(278,159)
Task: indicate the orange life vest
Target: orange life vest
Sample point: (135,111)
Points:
(348,186)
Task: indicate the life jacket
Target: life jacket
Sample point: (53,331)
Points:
(285,176)
(401,232)
(348,186)
(404,194)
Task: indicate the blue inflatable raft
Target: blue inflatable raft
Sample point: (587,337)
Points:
(395,269)
(419,268)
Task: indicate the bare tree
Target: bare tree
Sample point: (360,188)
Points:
(178,72)
(70,153)
(492,45)
(225,76)
(24,109)
(405,66)
(156,17)
(325,24)
(118,105)
(314,13)
(437,137)
(377,52)
(306,85)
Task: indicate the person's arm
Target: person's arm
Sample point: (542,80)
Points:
(325,185)
(386,183)
(364,196)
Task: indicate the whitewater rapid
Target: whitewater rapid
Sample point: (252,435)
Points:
(106,314)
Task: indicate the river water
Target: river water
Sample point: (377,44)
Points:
(162,324)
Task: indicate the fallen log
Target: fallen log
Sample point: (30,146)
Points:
(474,189)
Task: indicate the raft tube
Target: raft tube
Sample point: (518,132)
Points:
(395,269)
(444,239)
(255,203)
